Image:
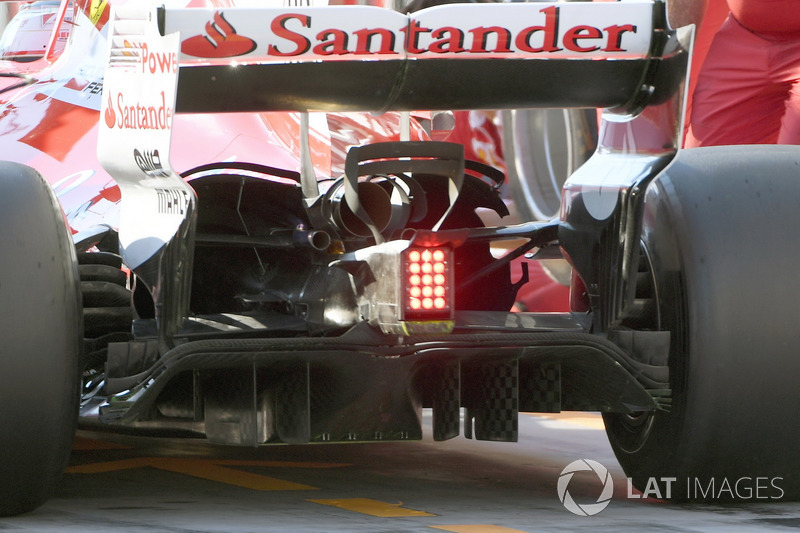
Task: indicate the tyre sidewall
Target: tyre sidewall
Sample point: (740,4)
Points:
(731,308)
(41,332)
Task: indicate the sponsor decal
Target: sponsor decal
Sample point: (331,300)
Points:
(535,39)
(325,33)
(138,115)
(219,40)
(172,201)
(157,62)
(97,11)
(150,163)
(95,87)
(134,113)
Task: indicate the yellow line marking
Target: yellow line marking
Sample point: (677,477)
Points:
(212,472)
(208,469)
(589,420)
(278,464)
(373,507)
(109,466)
(478,528)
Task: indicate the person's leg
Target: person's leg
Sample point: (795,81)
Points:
(735,101)
(716,13)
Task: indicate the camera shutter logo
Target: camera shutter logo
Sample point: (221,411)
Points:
(587,509)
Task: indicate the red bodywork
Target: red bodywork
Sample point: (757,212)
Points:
(51,124)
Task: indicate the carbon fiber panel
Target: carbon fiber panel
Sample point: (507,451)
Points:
(366,386)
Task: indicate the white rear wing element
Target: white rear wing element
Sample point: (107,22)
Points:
(347,58)
(135,132)
(467,56)
(579,30)
(157,212)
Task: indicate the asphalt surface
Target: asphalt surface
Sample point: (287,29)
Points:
(126,484)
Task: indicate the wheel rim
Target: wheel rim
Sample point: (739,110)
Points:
(545,147)
(631,430)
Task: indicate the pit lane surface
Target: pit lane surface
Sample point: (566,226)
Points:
(144,484)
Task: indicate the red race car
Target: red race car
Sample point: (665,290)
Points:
(242,224)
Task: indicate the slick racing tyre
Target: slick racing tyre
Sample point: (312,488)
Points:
(720,237)
(542,147)
(41,335)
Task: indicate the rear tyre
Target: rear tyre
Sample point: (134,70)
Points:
(720,235)
(41,335)
(107,309)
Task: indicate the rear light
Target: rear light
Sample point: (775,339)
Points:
(427,283)
(405,288)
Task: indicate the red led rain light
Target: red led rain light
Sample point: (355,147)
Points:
(428,294)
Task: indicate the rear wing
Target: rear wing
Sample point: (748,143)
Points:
(468,56)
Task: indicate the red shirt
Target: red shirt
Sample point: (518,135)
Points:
(767,16)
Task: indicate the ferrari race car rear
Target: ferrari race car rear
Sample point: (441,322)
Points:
(286,308)
(332,300)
